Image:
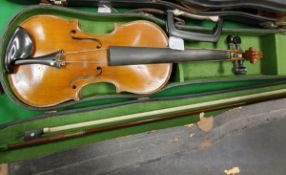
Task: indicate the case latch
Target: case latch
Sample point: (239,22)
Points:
(59,2)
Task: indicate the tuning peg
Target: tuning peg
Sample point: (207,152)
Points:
(237,40)
(238,68)
(230,39)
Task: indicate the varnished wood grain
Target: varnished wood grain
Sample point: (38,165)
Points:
(86,61)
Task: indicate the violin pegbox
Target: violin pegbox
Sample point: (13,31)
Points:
(238,56)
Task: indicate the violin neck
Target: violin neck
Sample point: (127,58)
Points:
(119,56)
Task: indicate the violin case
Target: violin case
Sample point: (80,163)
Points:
(190,83)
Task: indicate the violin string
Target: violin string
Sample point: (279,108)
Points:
(83,51)
(105,49)
(96,62)
(83,61)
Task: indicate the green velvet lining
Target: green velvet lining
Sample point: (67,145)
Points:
(9,112)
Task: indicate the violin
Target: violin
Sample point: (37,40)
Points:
(49,59)
(85,62)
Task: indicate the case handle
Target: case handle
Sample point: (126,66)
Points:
(194,36)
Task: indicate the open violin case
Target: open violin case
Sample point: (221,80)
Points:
(191,83)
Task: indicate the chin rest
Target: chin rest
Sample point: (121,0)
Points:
(20,49)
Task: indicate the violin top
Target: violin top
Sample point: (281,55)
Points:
(85,60)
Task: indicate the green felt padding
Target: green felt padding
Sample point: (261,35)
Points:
(8,10)
(280,52)
(204,87)
(97,89)
(268,45)
(10,112)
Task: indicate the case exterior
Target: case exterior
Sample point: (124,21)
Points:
(191,82)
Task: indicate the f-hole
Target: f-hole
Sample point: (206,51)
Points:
(74,34)
(100,71)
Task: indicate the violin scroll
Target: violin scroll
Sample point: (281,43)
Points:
(253,55)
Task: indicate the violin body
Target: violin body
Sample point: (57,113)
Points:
(86,60)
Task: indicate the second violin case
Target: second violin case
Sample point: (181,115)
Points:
(36,43)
